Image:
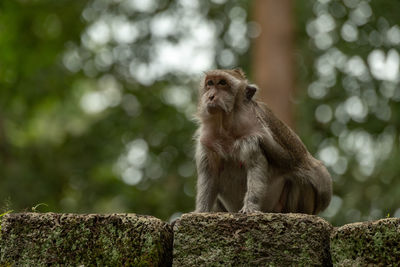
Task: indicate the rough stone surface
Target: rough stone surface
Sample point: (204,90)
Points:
(261,239)
(35,239)
(367,244)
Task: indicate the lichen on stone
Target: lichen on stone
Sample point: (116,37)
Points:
(262,239)
(367,243)
(35,239)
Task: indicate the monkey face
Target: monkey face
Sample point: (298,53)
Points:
(218,95)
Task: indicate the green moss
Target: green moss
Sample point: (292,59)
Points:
(250,240)
(34,239)
(1,217)
(85,239)
(367,243)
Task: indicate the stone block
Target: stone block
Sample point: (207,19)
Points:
(374,243)
(43,239)
(260,239)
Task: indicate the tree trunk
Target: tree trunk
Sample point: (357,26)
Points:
(273,66)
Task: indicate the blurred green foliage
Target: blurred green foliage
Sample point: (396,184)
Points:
(348,61)
(96,100)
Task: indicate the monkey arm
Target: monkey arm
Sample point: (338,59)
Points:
(257,183)
(280,144)
(257,177)
(207,187)
(287,152)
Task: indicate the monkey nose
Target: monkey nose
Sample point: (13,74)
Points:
(211,97)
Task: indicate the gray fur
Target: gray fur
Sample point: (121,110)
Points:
(248,160)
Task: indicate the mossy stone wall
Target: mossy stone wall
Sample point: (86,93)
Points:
(259,239)
(207,239)
(367,244)
(34,239)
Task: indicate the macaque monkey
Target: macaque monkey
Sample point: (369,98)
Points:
(247,159)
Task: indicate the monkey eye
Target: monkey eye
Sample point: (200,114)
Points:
(210,82)
(222,82)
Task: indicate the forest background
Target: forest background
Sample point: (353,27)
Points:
(97,97)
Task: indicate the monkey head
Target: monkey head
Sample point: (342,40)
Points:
(222,90)
(247,159)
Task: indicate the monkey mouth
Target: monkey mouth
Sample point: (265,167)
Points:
(213,108)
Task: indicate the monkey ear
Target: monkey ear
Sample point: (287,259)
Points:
(250,91)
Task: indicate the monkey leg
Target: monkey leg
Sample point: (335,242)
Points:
(275,197)
(306,202)
(281,205)
(298,197)
(206,193)
(219,206)
(292,194)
